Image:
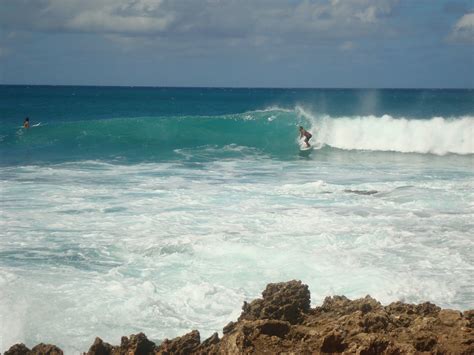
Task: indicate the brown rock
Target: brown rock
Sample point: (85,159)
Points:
(136,344)
(282,322)
(273,328)
(469,315)
(287,301)
(208,346)
(100,348)
(375,322)
(425,341)
(18,349)
(333,343)
(449,317)
(180,345)
(375,346)
(212,340)
(427,308)
(46,349)
(335,304)
(229,327)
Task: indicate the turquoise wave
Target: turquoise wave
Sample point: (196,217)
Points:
(268,131)
(272,131)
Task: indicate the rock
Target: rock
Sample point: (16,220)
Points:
(212,340)
(469,315)
(282,322)
(180,345)
(374,346)
(100,348)
(333,343)
(18,349)
(229,327)
(425,341)
(208,346)
(449,317)
(40,349)
(274,328)
(335,304)
(375,322)
(136,344)
(46,349)
(286,301)
(427,308)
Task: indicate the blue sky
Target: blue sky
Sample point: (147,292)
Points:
(239,43)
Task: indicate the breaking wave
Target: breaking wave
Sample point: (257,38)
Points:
(271,131)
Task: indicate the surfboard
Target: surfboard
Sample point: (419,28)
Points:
(34,125)
(305,151)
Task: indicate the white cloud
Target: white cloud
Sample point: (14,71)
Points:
(92,21)
(466,22)
(96,16)
(208,17)
(463,30)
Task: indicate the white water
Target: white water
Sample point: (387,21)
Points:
(92,249)
(438,135)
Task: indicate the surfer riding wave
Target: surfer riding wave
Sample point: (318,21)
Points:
(306,134)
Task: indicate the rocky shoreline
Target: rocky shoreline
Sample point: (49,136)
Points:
(283,322)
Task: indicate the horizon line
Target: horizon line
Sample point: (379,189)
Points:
(247,87)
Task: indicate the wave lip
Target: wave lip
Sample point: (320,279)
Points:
(438,135)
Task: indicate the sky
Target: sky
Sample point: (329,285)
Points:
(238,43)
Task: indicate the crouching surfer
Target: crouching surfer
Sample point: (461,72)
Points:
(306,134)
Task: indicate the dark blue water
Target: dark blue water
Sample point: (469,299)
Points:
(51,103)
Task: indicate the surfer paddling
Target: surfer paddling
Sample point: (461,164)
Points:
(306,134)
(26,123)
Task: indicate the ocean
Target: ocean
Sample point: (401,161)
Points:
(160,210)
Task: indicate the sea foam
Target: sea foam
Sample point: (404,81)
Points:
(437,135)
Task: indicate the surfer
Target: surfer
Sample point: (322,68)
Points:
(307,136)
(26,123)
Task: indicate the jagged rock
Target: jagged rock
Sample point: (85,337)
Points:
(229,327)
(373,345)
(425,341)
(46,349)
(333,343)
(136,344)
(180,345)
(375,322)
(212,340)
(282,322)
(18,349)
(469,315)
(209,346)
(287,301)
(100,348)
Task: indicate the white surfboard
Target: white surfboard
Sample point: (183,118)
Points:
(34,125)
(305,151)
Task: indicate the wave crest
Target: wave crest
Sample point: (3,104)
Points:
(438,135)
